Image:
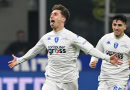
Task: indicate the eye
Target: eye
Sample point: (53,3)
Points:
(114,24)
(55,14)
(120,25)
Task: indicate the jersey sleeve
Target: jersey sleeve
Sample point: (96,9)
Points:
(32,52)
(83,44)
(88,48)
(99,46)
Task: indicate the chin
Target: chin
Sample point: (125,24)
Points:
(52,27)
(117,35)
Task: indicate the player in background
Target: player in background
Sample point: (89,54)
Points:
(63,49)
(111,77)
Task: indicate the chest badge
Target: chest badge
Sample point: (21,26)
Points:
(56,39)
(116,45)
(49,38)
(108,42)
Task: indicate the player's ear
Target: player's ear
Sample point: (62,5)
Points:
(63,19)
(125,27)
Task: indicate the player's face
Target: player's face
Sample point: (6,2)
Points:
(56,19)
(118,27)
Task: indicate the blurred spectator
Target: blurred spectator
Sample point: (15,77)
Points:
(18,47)
(4,3)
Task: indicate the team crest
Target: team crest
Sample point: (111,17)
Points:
(56,39)
(115,45)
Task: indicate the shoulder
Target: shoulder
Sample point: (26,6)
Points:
(107,36)
(127,38)
(70,34)
(47,35)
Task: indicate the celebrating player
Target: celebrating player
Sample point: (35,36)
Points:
(63,49)
(111,77)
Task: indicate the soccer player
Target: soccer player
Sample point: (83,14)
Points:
(63,49)
(111,77)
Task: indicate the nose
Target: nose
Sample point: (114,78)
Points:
(51,16)
(116,27)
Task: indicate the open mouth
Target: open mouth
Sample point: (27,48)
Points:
(52,22)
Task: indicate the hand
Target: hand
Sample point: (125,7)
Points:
(13,63)
(93,64)
(114,60)
(129,62)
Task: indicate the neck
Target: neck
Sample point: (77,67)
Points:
(119,36)
(59,28)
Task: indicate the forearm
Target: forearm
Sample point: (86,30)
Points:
(32,52)
(29,55)
(98,54)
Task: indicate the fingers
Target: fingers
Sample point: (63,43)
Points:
(115,61)
(93,64)
(13,62)
(129,62)
(119,62)
(10,61)
(11,65)
(14,56)
(13,59)
(115,55)
(115,65)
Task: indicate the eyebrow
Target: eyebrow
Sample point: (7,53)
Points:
(117,24)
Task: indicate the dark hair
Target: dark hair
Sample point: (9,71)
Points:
(120,17)
(19,32)
(64,11)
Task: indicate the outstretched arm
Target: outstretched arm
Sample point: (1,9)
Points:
(29,55)
(112,59)
(88,48)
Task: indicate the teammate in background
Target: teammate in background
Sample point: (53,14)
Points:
(63,49)
(111,77)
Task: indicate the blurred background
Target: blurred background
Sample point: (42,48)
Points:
(24,22)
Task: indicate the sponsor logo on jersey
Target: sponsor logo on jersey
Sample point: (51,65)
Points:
(56,49)
(119,55)
(116,88)
(108,42)
(49,38)
(115,45)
